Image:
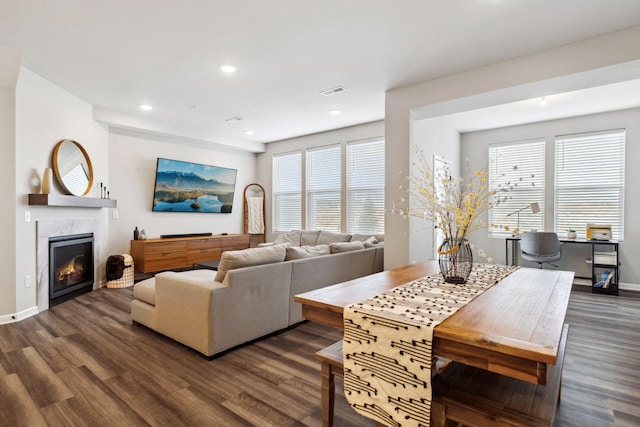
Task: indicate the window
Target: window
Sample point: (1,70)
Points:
(515,212)
(589,181)
(365,187)
(287,191)
(324,188)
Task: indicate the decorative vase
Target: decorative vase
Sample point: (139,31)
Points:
(456,260)
(572,235)
(46,181)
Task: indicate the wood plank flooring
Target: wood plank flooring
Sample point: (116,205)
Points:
(83,363)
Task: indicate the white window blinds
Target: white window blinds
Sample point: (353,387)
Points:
(509,163)
(324,188)
(589,181)
(365,187)
(287,192)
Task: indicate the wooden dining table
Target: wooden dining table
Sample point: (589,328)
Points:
(513,329)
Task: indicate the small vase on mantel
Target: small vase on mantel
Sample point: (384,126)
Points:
(46,181)
(456,260)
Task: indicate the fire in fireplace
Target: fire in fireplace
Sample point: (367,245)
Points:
(70,267)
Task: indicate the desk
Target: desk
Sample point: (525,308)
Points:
(613,265)
(514,328)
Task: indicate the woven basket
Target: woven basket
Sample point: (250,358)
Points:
(127,275)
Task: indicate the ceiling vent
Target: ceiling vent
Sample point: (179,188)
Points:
(333,91)
(234,119)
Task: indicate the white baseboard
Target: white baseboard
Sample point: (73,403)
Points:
(10,318)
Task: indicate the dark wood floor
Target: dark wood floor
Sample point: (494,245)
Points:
(83,363)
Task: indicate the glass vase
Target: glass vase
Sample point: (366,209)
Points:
(456,260)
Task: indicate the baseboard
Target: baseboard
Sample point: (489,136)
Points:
(629,287)
(11,318)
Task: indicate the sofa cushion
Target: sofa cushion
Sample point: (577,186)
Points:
(370,242)
(328,237)
(337,248)
(292,237)
(247,257)
(145,290)
(309,237)
(301,252)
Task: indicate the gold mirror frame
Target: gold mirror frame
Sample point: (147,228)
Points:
(72,167)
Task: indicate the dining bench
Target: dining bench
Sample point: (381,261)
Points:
(471,396)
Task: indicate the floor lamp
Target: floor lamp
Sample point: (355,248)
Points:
(535,208)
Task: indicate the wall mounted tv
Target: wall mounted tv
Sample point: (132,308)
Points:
(193,187)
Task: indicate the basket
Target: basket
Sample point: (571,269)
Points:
(126,278)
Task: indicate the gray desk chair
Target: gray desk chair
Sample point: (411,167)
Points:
(540,247)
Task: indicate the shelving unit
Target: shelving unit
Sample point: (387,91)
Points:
(604,259)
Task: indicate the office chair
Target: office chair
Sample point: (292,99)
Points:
(540,247)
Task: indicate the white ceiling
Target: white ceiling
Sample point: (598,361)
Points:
(118,54)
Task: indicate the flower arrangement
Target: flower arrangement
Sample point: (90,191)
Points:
(455,206)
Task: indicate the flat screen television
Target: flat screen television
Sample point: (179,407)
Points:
(193,187)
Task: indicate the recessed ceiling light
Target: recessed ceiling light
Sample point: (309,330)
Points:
(227,68)
(145,107)
(249,132)
(335,112)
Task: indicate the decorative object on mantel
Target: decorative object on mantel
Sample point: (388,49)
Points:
(454,206)
(46,181)
(72,167)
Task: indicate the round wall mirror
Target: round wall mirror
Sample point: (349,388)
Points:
(72,167)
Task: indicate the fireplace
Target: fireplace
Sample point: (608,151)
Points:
(70,267)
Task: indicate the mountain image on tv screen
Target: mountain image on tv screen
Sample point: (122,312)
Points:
(193,187)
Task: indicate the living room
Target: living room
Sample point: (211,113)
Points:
(37,113)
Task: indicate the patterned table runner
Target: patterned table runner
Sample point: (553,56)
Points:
(387,344)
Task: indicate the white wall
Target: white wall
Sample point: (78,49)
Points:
(611,58)
(353,133)
(45,114)
(7,216)
(433,137)
(132,178)
(475,147)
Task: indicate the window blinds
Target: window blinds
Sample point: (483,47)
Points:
(365,187)
(287,191)
(324,188)
(589,181)
(529,159)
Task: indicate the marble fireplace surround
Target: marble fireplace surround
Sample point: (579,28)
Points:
(62,227)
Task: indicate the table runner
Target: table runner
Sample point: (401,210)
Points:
(387,344)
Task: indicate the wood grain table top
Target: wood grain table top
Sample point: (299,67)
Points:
(514,328)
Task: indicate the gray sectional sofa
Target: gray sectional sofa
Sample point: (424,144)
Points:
(251,294)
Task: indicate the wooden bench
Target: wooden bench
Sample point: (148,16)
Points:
(468,395)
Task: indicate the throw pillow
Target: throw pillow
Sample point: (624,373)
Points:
(360,237)
(370,242)
(247,257)
(292,237)
(337,248)
(328,237)
(306,252)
